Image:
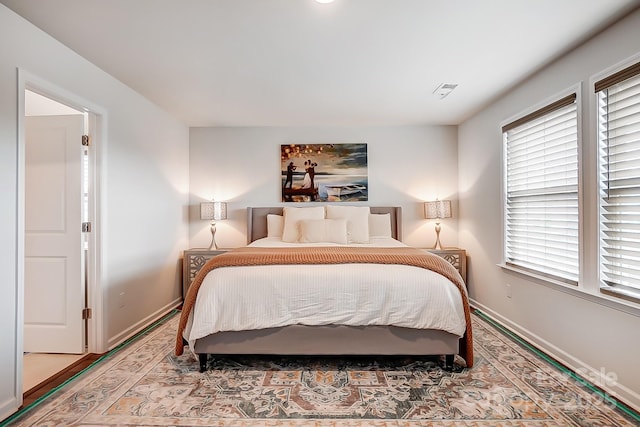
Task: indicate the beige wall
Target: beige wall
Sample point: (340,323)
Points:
(407,165)
(580,327)
(144,176)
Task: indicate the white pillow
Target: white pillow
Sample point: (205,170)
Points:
(323,230)
(380,225)
(275,225)
(357,221)
(292,216)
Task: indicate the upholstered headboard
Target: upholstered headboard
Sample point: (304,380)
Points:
(257,220)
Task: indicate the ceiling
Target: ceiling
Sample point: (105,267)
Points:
(301,63)
(38,105)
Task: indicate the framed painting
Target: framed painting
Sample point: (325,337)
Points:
(324,172)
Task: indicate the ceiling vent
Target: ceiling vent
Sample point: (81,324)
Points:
(444,89)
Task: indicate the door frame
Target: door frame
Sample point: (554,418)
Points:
(95,335)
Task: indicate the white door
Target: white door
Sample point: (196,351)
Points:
(54,266)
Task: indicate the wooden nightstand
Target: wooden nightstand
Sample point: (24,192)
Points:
(192,262)
(456,257)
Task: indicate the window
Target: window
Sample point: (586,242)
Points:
(541,191)
(618,98)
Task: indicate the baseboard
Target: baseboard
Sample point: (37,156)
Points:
(596,377)
(130,332)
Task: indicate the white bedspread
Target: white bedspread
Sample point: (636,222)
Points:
(257,297)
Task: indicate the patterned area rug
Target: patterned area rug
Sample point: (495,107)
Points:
(144,384)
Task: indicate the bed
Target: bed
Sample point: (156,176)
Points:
(326,305)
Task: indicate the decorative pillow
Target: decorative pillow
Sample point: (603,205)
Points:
(275,225)
(380,225)
(292,216)
(357,221)
(323,230)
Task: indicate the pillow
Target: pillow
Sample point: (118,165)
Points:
(292,216)
(357,221)
(380,225)
(323,230)
(275,225)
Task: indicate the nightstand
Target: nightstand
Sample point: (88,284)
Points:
(192,262)
(456,257)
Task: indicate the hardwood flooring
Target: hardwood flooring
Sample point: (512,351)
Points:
(35,388)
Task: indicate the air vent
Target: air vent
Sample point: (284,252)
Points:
(444,89)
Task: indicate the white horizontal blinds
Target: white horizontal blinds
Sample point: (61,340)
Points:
(619,144)
(541,157)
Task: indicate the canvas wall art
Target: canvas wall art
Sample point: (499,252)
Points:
(324,172)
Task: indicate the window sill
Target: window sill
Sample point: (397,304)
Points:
(617,299)
(626,294)
(537,276)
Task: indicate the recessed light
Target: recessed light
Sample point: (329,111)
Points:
(324,1)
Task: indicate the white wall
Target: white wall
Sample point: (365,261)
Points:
(581,328)
(144,198)
(406,165)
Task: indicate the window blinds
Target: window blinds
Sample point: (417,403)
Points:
(541,212)
(619,211)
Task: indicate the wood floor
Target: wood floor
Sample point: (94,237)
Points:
(44,372)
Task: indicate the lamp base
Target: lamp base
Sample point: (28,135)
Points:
(438,245)
(213,246)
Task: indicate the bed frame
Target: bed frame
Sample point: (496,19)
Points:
(330,339)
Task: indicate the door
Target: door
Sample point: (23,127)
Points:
(54,266)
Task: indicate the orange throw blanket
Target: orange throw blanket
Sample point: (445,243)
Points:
(248,256)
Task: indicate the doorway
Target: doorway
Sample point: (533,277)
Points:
(56,245)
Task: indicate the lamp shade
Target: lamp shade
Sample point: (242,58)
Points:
(219,210)
(437,209)
(213,210)
(206,210)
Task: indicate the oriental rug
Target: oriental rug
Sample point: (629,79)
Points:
(145,384)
